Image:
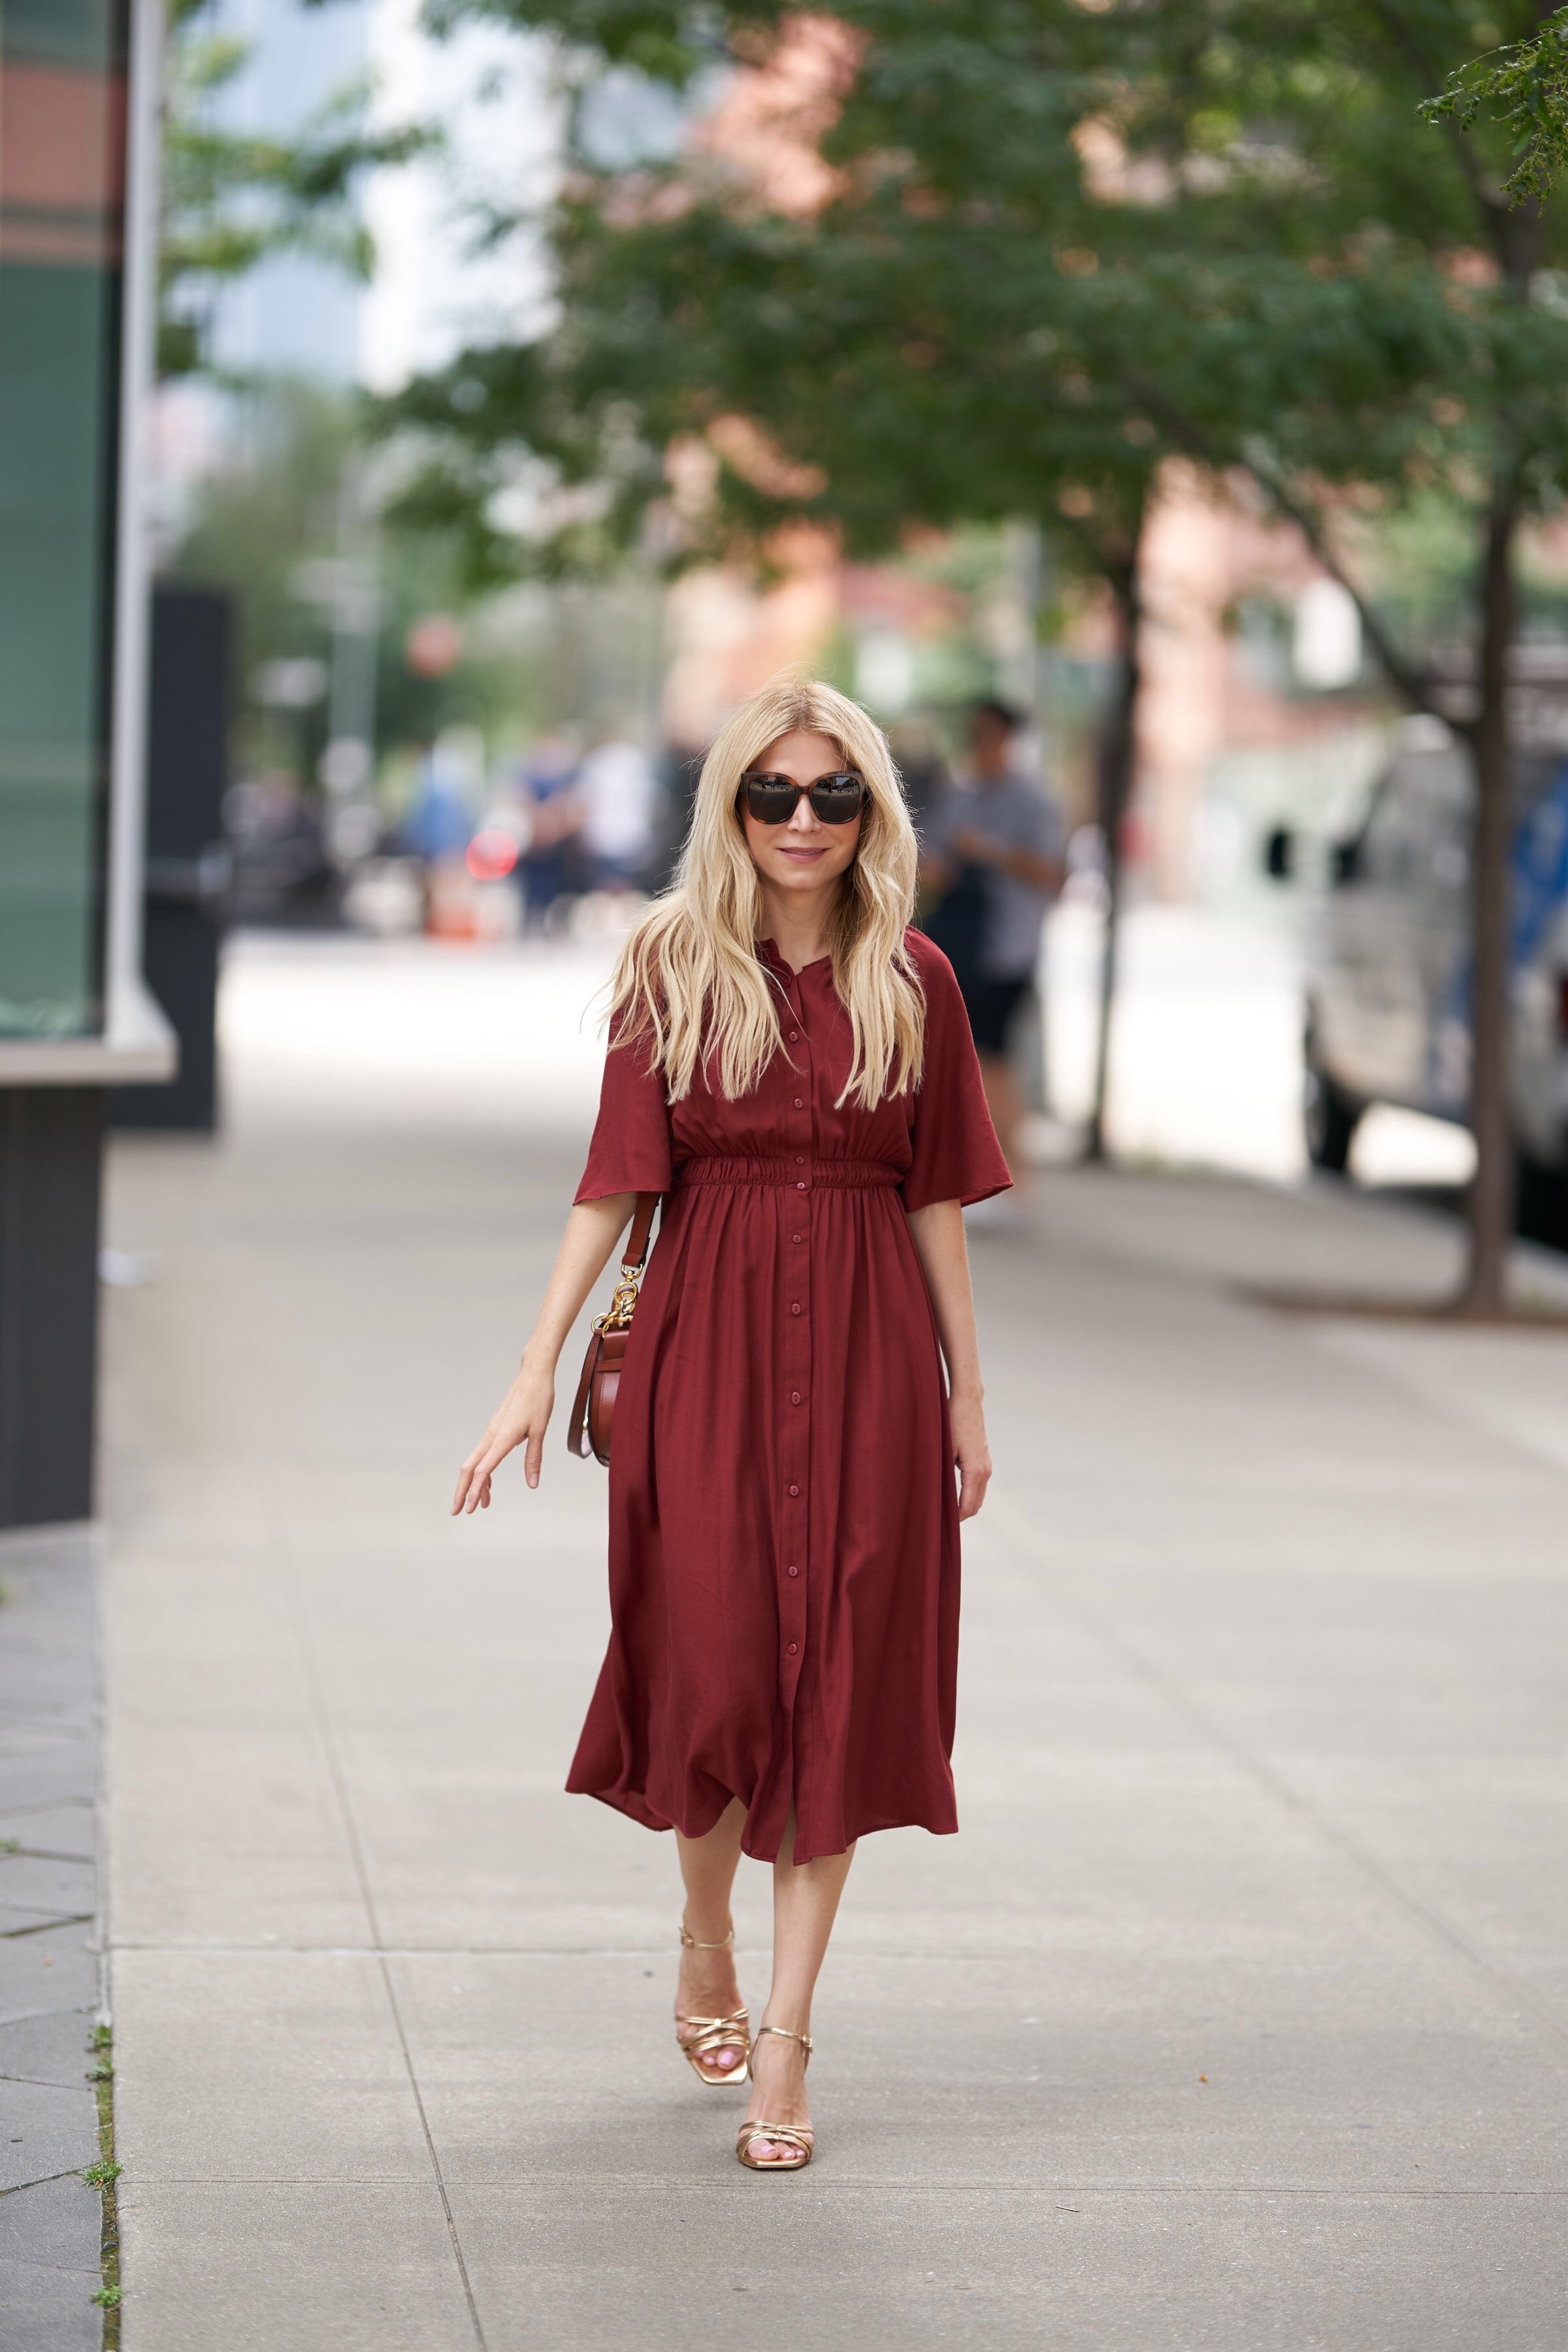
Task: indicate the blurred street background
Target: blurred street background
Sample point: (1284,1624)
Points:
(458,410)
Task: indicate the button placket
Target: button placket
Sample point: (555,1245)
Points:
(794,1451)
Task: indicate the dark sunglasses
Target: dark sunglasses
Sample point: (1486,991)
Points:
(837,799)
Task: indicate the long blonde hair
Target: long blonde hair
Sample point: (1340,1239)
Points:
(689,983)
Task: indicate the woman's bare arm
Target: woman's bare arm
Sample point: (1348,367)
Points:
(524,1414)
(938,1232)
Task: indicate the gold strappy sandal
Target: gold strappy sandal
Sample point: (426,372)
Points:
(715,2033)
(799,2137)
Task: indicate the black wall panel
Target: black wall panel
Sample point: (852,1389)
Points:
(50,1150)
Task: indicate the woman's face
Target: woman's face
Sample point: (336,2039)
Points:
(803,855)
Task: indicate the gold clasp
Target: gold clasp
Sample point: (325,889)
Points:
(623,1303)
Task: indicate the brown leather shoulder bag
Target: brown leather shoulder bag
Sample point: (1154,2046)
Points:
(594,1407)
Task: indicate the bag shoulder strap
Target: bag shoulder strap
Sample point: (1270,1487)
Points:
(635,1250)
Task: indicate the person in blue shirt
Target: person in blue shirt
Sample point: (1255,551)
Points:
(992,854)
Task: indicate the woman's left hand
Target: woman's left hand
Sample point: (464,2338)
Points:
(970,1452)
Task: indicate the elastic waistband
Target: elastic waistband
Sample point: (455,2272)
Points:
(817,1175)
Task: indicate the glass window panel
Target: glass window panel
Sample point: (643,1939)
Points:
(62,117)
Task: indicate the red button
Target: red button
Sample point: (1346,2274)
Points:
(792,1648)
(800,1188)
(795,1036)
(791,1570)
(799,1102)
(800,1160)
(797,1237)
(794,1490)
(794,1303)
(794,1396)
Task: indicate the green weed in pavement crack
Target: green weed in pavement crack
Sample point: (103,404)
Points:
(102,2177)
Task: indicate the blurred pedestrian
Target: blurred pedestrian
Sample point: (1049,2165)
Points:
(993,858)
(617,794)
(441,818)
(789,1068)
(438,829)
(548,775)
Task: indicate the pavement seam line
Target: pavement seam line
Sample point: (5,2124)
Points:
(1497,1982)
(107,2172)
(300,1623)
(979,2185)
(38,2082)
(944,1952)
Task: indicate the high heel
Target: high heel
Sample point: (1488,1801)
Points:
(798,2137)
(715,2033)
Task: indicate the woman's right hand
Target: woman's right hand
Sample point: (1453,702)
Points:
(524,1414)
(521,1419)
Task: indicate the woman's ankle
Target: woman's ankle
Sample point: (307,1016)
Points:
(713,1931)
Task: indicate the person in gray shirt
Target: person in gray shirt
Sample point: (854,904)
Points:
(992,856)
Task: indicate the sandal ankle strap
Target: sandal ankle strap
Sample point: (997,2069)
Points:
(785,2034)
(688,1942)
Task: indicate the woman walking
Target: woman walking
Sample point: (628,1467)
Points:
(789,1068)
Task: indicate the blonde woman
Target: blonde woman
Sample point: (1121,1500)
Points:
(789,1068)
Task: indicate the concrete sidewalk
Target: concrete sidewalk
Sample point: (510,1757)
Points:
(52,2224)
(1238,2015)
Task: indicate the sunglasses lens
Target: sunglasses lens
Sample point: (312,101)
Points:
(837,799)
(769,799)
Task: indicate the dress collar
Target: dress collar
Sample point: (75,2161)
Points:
(771,956)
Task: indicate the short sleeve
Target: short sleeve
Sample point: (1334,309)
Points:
(1043,831)
(630,1151)
(956,1156)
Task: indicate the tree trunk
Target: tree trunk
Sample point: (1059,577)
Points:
(1491,1194)
(1118,752)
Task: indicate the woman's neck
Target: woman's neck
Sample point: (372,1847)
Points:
(799,923)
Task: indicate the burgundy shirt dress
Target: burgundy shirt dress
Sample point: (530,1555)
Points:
(784,1519)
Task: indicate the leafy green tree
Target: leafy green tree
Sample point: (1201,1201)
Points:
(1522,87)
(835,369)
(1380,313)
(1063,243)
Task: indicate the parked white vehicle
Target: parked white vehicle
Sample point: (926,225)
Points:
(1388,965)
